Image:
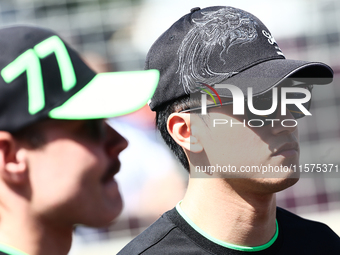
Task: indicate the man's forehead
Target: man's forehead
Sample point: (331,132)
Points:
(56,124)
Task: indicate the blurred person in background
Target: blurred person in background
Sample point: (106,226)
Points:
(233,213)
(140,179)
(58,154)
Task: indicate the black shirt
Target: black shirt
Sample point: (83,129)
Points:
(171,234)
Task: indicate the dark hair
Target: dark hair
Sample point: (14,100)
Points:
(162,114)
(32,135)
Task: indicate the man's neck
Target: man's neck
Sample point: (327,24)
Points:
(241,218)
(32,236)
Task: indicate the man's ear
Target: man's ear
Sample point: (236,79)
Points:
(13,164)
(179,127)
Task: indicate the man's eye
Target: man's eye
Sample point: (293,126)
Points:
(262,99)
(94,129)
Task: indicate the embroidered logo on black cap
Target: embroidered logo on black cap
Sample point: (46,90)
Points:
(29,62)
(272,41)
(222,45)
(225,27)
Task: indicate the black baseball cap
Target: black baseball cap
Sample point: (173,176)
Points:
(223,45)
(43,77)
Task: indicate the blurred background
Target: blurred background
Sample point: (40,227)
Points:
(115,35)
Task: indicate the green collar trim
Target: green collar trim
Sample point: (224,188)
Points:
(11,250)
(225,244)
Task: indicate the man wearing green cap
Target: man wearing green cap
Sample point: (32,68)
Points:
(58,156)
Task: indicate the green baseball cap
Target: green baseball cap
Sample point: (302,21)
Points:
(41,76)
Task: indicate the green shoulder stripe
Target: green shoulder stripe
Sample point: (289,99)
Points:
(11,250)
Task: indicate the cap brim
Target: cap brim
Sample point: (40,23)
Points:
(263,76)
(109,95)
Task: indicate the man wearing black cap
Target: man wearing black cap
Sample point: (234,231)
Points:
(58,156)
(227,104)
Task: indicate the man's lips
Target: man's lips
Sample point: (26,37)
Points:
(111,171)
(287,149)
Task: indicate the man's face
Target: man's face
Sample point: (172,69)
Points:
(248,149)
(72,174)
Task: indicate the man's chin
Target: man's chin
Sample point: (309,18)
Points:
(102,221)
(273,185)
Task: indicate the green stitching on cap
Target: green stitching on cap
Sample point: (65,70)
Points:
(29,62)
(56,45)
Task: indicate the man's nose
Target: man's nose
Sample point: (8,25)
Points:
(115,143)
(286,124)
